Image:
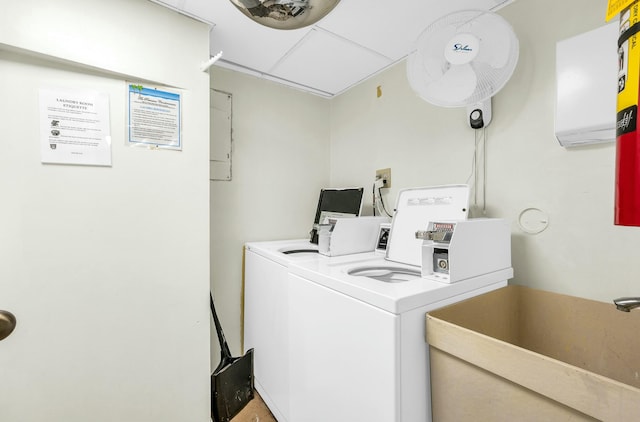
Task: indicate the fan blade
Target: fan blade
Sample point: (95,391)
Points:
(495,38)
(428,68)
(455,86)
(431,45)
(487,77)
(490,80)
(416,74)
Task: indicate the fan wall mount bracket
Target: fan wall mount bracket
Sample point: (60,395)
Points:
(479,114)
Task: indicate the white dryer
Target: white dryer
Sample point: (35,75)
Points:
(266,314)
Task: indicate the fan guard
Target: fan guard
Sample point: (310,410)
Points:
(463,58)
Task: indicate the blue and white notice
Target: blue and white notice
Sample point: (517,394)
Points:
(154,118)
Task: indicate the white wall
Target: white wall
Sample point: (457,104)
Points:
(582,252)
(280,163)
(107,268)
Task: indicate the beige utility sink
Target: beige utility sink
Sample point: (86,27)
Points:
(520,354)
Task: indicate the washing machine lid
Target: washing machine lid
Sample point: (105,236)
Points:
(284,251)
(415,208)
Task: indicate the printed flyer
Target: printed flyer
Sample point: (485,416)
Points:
(74,127)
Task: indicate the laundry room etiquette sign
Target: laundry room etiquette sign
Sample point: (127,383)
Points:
(74,127)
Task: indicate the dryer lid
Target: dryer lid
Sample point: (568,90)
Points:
(415,208)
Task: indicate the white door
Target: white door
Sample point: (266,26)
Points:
(95,265)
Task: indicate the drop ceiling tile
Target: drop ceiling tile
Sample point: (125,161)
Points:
(391,28)
(206,10)
(328,63)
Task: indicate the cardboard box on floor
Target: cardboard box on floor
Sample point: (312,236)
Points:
(255,411)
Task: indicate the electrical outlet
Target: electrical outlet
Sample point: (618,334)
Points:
(385,176)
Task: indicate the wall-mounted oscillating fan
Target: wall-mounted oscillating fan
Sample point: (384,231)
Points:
(462,60)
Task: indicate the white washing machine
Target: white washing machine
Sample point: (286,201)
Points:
(266,314)
(357,349)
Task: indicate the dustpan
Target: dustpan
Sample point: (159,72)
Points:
(232,381)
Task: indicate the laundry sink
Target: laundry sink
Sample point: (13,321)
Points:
(529,355)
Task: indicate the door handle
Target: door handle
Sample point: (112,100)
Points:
(7,324)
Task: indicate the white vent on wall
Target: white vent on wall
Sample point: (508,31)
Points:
(586,87)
